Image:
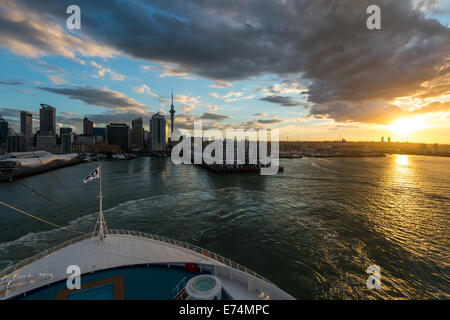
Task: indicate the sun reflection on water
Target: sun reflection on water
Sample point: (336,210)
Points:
(402,160)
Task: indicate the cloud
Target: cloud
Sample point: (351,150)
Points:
(211,108)
(103,70)
(375,112)
(284,101)
(284,87)
(187,109)
(214,116)
(103,97)
(144,89)
(220,84)
(31,34)
(230,96)
(56,79)
(23,91)
(269,121)
(322,43)
(42,65)
(434,107)
(171,70)
(261,114)
(11,82)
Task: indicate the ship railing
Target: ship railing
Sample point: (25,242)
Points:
(207,253)
(210,254)
(13,268)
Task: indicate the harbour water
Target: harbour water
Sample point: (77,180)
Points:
(313,229)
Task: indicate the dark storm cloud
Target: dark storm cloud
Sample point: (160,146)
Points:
(323,41)
(284,101)
(97,96)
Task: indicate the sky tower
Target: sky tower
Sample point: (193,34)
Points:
(172,115)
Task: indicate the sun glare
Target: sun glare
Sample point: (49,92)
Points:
(406,125)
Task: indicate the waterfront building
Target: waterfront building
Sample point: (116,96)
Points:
(79,147)
(389,139)
(26,123)
(119,134)
(88,127)
(159,132)
(67,140)
(137,133)
(382,139)
(47,118)
(47,143)
(17,143)
(87,140)
(3,130)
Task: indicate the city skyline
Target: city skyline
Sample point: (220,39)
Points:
(354,88)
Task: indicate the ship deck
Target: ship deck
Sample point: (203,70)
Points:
(144,266)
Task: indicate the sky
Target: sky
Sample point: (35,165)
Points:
(311,69)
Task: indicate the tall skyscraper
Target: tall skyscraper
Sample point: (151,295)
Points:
(119,134)
(88,127)
(3,130)
(137,133)
(26,123)
(47,116)
(159,132)
(172,115)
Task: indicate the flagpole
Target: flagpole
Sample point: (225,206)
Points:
(100,231)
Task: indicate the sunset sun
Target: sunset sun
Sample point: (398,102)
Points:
(405,126)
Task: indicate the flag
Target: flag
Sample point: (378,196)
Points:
(95,174)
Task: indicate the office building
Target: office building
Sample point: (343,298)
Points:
(159,132)
(47,117)
(99,134)
(46,143)
(26,123)
(118,134)
(17,143)
(137,133)
(87,140)
(67,139)
(63,131)
(3,130)
(88,127)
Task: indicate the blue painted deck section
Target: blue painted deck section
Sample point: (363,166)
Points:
(101,292)
(140,283)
